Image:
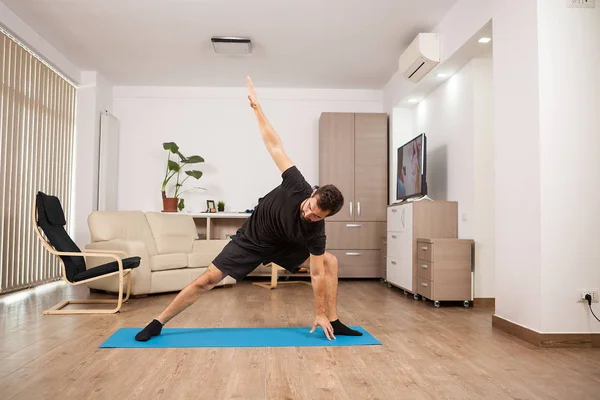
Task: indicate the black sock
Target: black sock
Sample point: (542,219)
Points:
(341,329)
(152,329)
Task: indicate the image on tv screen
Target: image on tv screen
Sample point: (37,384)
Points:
(410,159)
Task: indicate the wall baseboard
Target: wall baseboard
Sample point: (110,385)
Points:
(484,302)
(547,340)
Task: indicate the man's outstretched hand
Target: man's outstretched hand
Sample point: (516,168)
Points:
(252,93)
(322,321)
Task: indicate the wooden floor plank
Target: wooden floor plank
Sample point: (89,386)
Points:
(427,353)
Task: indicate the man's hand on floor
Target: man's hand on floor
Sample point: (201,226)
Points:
(322,321)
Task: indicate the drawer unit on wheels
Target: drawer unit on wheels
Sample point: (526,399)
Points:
(444,269)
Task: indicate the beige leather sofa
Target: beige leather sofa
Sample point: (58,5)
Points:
(171,255)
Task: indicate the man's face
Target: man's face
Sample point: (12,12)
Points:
(310,211)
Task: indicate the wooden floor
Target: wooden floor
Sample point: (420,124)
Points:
(427,353)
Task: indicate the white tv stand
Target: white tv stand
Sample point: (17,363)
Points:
(407,222)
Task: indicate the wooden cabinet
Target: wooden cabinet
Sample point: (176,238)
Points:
(405,223)
(370,166)
(444,269)
(336,158)
(353,157)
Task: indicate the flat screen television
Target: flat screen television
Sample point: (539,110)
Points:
(411,171)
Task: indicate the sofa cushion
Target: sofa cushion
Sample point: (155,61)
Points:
(204,252)
(173,233)
(125,225)
(200,260)
(162,262)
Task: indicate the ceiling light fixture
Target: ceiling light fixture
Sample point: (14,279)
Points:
(442,75)
(485,40)
(231,45)
(413,100)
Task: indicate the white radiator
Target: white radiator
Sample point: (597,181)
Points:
(108,163)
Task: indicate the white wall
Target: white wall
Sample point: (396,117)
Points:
(35,42)
(517,163)
(94,96)
(482,216)
(569,106)
(457,120)
(446,118)
(219,125)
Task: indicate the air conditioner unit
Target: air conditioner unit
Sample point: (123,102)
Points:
(420,57)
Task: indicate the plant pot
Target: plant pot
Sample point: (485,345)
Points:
(221,209)
(170,204)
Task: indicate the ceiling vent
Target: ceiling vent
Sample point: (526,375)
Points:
(231,45)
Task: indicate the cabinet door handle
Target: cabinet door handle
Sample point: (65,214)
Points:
(350,208)
(394,237)
(394,210)
(424,248)
(424,266)
(423,284)
(353,225)
(358,207)
(394,262)
(353,254)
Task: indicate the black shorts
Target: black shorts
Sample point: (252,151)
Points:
(237,260)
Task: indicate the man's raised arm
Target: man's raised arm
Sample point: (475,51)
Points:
(270,137)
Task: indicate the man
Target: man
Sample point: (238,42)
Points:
(287,227)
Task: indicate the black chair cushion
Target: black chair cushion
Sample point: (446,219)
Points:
(51,219)
(52,210)
(128,263)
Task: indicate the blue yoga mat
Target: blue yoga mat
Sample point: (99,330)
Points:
(235,337)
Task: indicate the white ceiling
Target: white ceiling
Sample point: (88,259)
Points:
(307,43)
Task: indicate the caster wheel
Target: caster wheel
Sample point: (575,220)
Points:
(424,299)
(436,304)
(416,296)
(382,280)
(405,293)
(389,285)
(466,304)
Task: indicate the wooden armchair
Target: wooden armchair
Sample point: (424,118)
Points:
(48,216)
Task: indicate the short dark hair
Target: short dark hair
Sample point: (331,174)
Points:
(330,199)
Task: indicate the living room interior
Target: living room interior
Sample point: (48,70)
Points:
(472,279)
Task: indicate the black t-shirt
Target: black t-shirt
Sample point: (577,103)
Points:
(276,221)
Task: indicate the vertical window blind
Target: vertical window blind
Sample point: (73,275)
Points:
(37,118)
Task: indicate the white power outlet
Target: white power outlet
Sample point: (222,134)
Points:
(581,3)
(593,292)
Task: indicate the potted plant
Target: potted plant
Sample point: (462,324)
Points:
(174,168)
(221,206)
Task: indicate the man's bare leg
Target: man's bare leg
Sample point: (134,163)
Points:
(331,290)
(183,300)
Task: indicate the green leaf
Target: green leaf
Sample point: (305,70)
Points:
(181,205)
(194,173)
(173,166)
(181,156)
(171,146)
(193,160)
